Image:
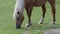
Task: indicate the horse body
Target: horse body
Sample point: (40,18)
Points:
(35,3)
(28,5)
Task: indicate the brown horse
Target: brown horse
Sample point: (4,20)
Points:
(29,4)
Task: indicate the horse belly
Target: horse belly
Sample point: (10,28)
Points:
(40,3)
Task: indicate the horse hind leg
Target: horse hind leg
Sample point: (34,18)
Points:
(43,15)
(29,12)
(52,3)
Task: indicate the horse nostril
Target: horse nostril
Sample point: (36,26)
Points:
(17,27)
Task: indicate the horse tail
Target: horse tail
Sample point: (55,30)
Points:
(19,6)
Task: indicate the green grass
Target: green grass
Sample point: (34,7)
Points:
(7,24)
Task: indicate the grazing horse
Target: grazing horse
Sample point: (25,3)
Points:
(28,5)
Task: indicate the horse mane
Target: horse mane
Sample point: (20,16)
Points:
(19,6)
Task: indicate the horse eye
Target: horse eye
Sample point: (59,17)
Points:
(18,12)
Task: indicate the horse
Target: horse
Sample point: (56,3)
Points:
(28,5)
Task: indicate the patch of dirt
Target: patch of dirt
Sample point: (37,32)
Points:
(52,31)
(24,33)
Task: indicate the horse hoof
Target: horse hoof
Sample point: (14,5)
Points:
(28,25)
(41,23)
(53,23)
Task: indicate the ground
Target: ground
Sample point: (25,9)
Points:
(7,24)
(52,31)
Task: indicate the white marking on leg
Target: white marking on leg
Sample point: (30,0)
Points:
(52,23)
(19,6)
(26,25)
(41,21)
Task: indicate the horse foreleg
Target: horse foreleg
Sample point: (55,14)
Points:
(52,3)
(43,15)
(29,12)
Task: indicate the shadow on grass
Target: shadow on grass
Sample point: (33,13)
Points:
(53,26)
(38,28)
(44,26)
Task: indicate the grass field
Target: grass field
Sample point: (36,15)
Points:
(7,24)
